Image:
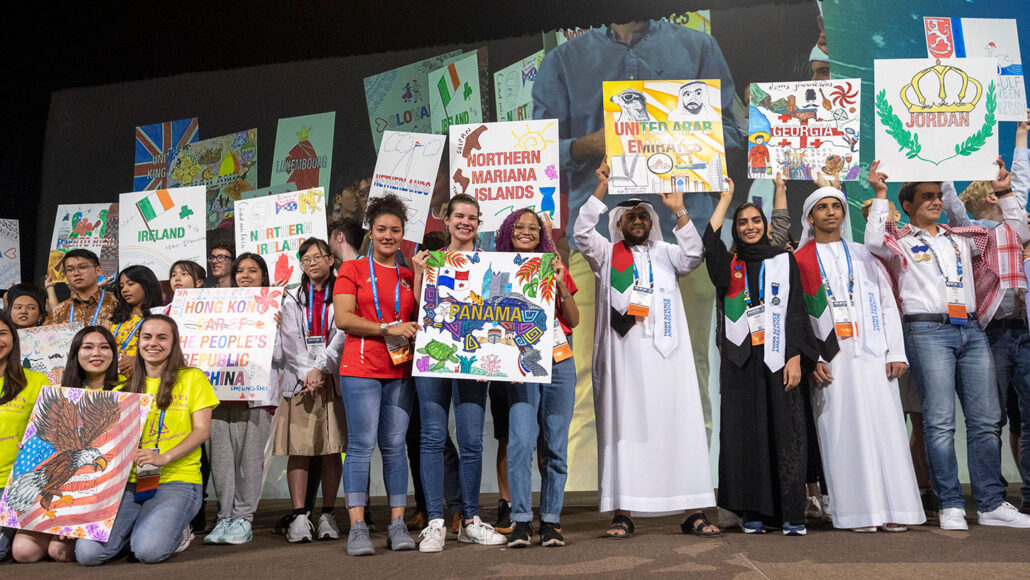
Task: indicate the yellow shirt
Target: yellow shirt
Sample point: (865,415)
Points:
(192,392)
(126,335)
(14,418)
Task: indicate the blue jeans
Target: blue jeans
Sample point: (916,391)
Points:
(151,529)
(377,409)
(434,398)
(946,360)
(544,411)
(1011,349)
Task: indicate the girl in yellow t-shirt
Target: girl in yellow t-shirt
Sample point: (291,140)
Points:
(138,293)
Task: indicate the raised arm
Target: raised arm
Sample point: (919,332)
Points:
(687,254)
(1014,214)
(1021,163)
(953,206)
(719,213)
(779,224)
(876,226)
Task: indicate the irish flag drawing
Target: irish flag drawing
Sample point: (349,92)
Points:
(155,204)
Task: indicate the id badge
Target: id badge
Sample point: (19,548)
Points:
(640,301)
(843,322)
(756,324)
(399,347)
(147,479)
(316,346)
(957,303)
(561,350)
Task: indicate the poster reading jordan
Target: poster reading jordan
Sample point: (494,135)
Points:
(802,129)
(935,119)
(407,167)
(486,316)
(664,136)
(507,166)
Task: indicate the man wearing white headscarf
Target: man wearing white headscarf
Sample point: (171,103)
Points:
(862,432)
(652,448)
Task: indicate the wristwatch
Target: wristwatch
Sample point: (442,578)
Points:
(382,328)
(680,213)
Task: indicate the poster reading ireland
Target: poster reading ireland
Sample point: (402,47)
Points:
(801,129)
(275,226)
(486,315)
(454,94)
(407,167)
(507,166)
(226,165)
(664,136)
(91,226)
(158,228)
(935,119)
(304,151)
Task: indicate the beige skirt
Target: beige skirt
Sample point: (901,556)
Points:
(311,424)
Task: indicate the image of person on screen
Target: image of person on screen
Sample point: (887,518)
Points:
(693,104)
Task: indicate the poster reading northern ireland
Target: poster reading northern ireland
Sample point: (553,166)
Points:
(507,166)
(935,119)
(802,129)
(454,94)
(226,165)
(664,136)
(91,226)
(10,253)
(407,167)
(158,228)
(44,349)
(153,143)
(304,151)
(486,315)
(275,226)
(513,88)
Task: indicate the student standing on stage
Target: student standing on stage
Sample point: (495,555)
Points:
(138,293)
(89,305)
(26,305)
(373,303)
(220,262)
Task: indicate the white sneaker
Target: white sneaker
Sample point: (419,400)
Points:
(954,519)
(813,508)
(327,528)
(824,505)
(1004,515)
(433,537)
(480,532)
(187,537)
(300,529)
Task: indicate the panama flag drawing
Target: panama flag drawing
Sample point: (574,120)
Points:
(453,279)
(155,204)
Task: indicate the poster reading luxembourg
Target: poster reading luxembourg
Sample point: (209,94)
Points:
(75,458)
(158,228)
(513,88)
(229,333)
(10,253)
(407,167)
(507,166)
(486,315)
(153,143)
(92,226)
(226,165)
(935,119)
(275,226)
(801,129)
(398,99)
(44,349)
(454,94)
(996,38)
(664,136)
(304,151)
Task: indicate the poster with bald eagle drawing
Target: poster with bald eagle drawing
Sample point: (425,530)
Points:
(75,458)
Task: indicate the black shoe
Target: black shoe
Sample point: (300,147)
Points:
(930,504)
(368,521)
(520,535)
(550,535)
(503,524)
(283,524)
(1024,508)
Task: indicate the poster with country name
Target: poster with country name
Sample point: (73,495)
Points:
(91,226)
(486,316)
(454,93)
(803,128)
(513,88)
(304,151)
(407,166)
(229,333)
(158,228)
(664,136)
(226,165)
(398,99)
(275,226)
(10,253)
(153,143)
(44,349)
(507,166)
(935,119)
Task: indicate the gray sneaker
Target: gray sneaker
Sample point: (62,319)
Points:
(397,537)
(327,529)
(359,543)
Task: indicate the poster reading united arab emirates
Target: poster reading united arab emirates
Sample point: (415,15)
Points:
(802,129)
(407,167)
(935,119)
(229,333)
(91,226)
(275,226)
(664,136)
(158,228)
(486,315)
(507,166)
(226,165)
(44,349)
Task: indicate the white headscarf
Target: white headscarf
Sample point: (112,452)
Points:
(810,201)
(615,214)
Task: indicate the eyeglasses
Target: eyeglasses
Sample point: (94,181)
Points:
(74,269)
(216,258)
(524,228)
(313,259)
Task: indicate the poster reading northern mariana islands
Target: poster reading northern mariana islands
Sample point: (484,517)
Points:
(487,316)
(226,165)
(275,226)
(407,167)
(801,129)
(304,151)
(454,93)
(935,119)
(10,253)
(513,88)
(229,333)
(44,349)
(983,38)
(70,473)
(91,226)
(507,166)
(664,136)
(398,100)
(158,228)
(153,143)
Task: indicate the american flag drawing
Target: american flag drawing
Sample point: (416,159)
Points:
(153,143)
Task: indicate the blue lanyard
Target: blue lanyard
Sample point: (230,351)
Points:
(375,291)
(851,273)
(96,313)
(937,259)
(325,306)
(761,285)
(160,427)
(650,271)
(128,339)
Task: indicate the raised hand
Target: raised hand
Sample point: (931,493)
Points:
(878,180)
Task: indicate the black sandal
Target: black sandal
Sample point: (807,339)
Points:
(620,523)
(696,525)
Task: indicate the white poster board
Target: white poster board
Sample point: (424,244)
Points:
(275,226)
(10,253)
(160,227)
(407,167)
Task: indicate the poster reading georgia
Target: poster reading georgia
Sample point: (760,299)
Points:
(507,166)
(486,315)
(275,226)
(229,333)
(664,136)
(160,227)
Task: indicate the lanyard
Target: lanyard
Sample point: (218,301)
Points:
(375,291)
(128,339)
(96,313)
(851,274)
(325,306)
(761,285)
(650,271)
(475,248)
(937,259)
(160,427)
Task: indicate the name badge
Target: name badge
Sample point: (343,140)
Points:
(843,321)
(399,347)
(756,324)
(957,303)
(147,479)
(561,350)
(316,346)
(640,301)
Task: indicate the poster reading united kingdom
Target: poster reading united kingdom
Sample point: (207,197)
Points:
(664,136)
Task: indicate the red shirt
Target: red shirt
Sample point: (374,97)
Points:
(570,285)
(366,356)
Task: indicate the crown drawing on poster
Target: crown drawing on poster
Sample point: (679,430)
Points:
(924,80)
(303,134)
